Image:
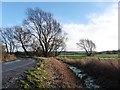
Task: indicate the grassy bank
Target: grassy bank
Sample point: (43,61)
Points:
(37,77)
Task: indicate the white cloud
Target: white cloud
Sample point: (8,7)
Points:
(102,28)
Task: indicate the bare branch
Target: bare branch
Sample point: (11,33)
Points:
(87,45)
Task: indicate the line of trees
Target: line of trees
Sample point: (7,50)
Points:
(40,33)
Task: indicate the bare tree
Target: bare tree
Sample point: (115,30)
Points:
(23,37)
(4,40)
(35,45)
(2,51)
(87,45)
(46,30)
(7,35)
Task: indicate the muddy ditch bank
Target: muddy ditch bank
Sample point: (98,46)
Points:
(104,73)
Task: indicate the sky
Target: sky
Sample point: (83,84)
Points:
(97,21)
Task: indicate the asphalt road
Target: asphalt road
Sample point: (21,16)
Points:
(13,71)
(19,63)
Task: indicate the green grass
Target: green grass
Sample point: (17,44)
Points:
(73,56)
(79,56)
(37,77)
(107,55)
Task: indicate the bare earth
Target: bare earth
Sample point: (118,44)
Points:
(62,77)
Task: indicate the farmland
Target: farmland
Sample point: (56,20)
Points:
(79,56)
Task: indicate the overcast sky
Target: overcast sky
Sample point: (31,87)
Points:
(96,21)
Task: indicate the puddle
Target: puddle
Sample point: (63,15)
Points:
(88,80)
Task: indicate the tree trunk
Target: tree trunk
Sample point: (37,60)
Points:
(45,54)
(7,48)
(24,48)
(89,54)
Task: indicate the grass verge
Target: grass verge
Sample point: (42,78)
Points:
(37,77)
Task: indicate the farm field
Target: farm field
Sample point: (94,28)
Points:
(79,56)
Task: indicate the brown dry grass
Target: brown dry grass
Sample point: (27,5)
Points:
(105,72)
(61,76)
(8,57)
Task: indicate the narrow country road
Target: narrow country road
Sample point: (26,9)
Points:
(12,71)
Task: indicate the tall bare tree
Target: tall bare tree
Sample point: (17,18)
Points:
(3,40)
(23,37)
(87,45)
(46,30)
(7,35)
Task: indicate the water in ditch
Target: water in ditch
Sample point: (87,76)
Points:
(88,81)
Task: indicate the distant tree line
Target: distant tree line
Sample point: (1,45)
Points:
(109,52)
(40,33)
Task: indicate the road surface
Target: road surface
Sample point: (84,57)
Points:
(12,71)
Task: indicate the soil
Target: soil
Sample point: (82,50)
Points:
(63,77)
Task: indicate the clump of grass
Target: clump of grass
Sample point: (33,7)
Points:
(38,76)
(25,84)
